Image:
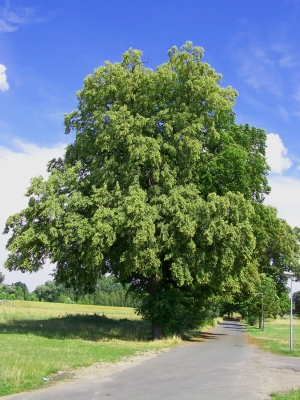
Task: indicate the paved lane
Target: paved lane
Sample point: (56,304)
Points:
(222,367)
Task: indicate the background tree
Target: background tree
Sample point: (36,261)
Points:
(48,292)
(2,277)
(296,300)
(265,297)
(158,189)
(8,292)
(228,309)
(277,245)
(284,304)
(22,292)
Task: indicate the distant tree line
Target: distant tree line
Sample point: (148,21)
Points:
(108,292)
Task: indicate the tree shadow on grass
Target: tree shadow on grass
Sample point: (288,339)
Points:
(81,326)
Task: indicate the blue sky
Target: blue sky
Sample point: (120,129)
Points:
(47,48)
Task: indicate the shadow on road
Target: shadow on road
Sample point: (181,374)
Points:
(201,336)
(233,326)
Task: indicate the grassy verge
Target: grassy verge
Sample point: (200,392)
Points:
(276,337)
(293,395)
(40,339)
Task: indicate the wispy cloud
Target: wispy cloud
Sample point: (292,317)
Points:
(284,113)
(276,154)
(3,78)
(297,93)
(12,20)
(270,67)
(288,61)
(258,69)
(287,58)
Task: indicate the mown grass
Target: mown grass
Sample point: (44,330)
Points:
(293,395)
(276,337)
(40,339)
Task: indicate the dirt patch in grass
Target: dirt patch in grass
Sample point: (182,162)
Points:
(253,341)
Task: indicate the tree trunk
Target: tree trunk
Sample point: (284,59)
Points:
(152,290)
(156,331)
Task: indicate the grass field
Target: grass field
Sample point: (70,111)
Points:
(276,338)
(40,339)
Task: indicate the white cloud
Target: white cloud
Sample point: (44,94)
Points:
(10,20)
(285,196)
(285,193)
(276,153)
(16,170)
(3,78)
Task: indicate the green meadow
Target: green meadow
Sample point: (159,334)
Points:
(39,339)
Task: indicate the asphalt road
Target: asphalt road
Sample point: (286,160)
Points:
(224,366)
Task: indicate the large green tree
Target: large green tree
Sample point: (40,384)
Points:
(158,189)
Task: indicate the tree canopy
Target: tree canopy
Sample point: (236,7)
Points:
(161,188)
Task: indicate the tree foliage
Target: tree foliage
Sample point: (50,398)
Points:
(277,245)
(284,304)
(15,291)
(264,300)
(296,300)
(161,189)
